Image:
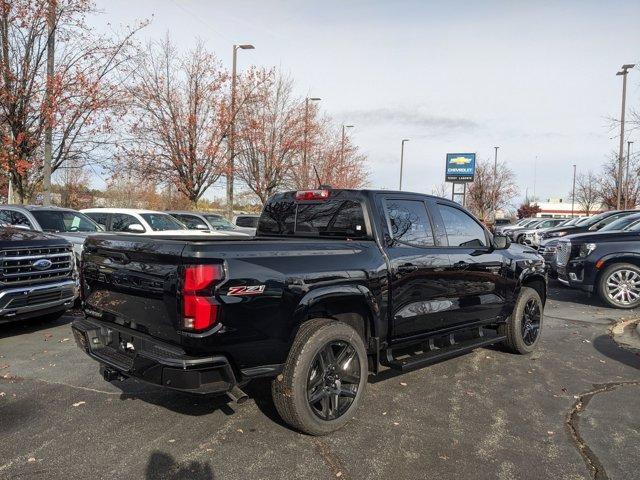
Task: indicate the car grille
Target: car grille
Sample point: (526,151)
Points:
(563,253)
(17,265)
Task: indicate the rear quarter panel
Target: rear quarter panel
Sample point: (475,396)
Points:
(257,329)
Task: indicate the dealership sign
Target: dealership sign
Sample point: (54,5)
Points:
(461,167)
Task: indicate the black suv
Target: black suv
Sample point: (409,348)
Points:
(549,239)
(37,275)
(603,263)
(334,284)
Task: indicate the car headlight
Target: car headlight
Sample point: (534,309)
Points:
(586,249)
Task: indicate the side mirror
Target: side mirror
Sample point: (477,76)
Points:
(22,227)
(501,242)
(202,226)
(135,228)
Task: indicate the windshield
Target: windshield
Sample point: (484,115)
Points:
(218,222)
(582,221)
(160,222)
(596,218)
(633,227)
(64,221)
(620,223)
(532,223)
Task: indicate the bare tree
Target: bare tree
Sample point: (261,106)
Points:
(588,194)
(269,133)
(86,88)
(486,187)
(442,190)
(179,118)
(609,183)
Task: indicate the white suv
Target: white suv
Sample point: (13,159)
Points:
(141,222)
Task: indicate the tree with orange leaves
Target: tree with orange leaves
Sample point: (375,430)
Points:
(180,118)
(85,91)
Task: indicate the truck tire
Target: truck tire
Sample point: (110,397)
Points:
(619,285)
(523,326)
(324,378)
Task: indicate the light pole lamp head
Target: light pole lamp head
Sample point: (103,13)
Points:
(628,66)
(245,46)
(314,99)
(348,126)
(405,140)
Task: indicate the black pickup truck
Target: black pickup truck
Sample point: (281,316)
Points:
(37,275)
(334,284)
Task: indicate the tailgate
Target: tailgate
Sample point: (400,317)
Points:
(133,281)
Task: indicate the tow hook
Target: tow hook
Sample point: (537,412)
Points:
(109,374)
(237,395)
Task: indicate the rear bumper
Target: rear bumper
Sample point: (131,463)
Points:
(133,354)
(19,303)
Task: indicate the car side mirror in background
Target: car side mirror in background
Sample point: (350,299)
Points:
(22,227)
(501,242)
(135,228)
(202,226)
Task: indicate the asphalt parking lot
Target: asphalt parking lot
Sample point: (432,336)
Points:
(569,411)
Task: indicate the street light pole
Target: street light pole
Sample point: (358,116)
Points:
(232,129)
(573,192)
(402,159)
(495,183)
(626,190)
(305,167)
(343,141)
(623,72)
(48,131)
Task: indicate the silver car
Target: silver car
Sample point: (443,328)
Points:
(67,223)
(529,236)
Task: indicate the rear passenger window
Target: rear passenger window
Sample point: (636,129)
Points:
(462,230)
(121,222)
(409,222)
(99,218)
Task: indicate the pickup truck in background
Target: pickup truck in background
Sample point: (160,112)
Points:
(37,275)
(335,284)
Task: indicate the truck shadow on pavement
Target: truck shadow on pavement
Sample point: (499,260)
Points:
(162,466)
(182,403)
(259,390)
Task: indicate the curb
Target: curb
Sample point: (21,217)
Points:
(626,333)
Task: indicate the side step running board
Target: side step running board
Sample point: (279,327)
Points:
(436,354)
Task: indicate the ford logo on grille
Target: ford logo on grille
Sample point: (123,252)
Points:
(42,264)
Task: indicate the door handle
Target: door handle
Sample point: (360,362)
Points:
(407,268)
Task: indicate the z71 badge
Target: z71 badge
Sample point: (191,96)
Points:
(246,290)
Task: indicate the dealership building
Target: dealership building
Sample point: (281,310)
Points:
(560,207)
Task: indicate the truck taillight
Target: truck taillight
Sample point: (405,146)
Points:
(312,194)
(199,308)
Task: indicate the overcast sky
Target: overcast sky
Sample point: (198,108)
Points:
(535,78)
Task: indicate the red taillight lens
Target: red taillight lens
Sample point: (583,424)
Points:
(200,310)
(312,195)
(198,277)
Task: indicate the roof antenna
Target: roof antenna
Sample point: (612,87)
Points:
(318,177)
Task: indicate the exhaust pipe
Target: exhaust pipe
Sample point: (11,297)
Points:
(237,395)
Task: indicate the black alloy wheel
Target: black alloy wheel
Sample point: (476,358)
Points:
(531,321)
(333,380)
